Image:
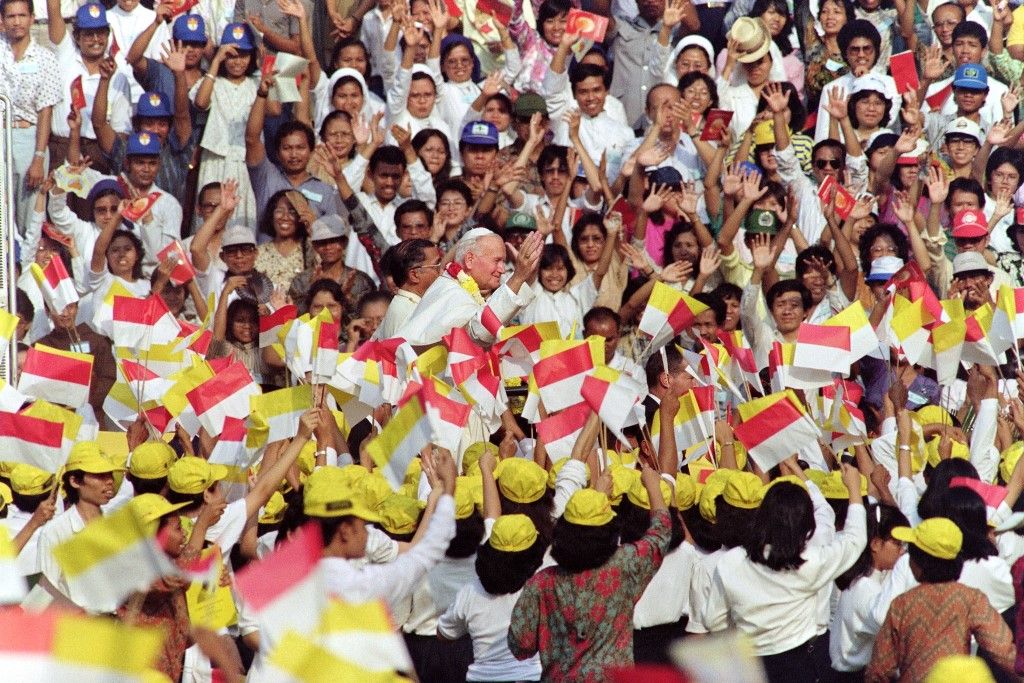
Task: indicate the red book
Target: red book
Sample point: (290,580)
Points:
(77,95)
(183,271)
(140,207)
(904,72)
(182,6)
(826,188)
(497,9)
(267,66)
(715,124)
(937,99)
(586,25)
(844,202)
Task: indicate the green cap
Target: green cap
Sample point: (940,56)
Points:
(528,104)
(520,221)
(762,220)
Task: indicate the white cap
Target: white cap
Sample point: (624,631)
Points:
(964,126)
(328,227)
(872,82)
(236,235)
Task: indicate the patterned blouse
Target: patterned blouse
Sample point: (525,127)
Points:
(822,69)
(582,623)
(282,269)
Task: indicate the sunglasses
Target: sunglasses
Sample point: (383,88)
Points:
(822,164)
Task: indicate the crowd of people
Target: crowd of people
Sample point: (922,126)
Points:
(416,180)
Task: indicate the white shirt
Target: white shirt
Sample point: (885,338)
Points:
(436,593)
(486,619)
(700,587)
(399,310)
(566,306)
(119,108)
(125,27)
(28,558)
(667,598)
(782,612)
(851,638)
(990,575)
(56,531)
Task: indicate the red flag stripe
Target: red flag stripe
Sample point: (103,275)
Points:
(277,318)
(833,336)
(233,379)
(560,425)
(263,582)
(57,367)
(563,364)
(31,429)
(55,272)
(490,321)
(767,423)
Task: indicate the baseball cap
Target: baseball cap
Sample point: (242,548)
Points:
(970,76)
(189,28)
(239,35)
(957,450)
(762,220)
(869,82)
(969,224)
(588,507)
(968,262)
(150,507)
(151,460)
(686,491)
(473,452)
(374,489)
(521,480)
(400,514)
(143,144)
(191,475)
(103,186)
(518,220)
(1007,460)
(329,227)
(936,536)
(513,533)
(153,104)
(326,495)
(86,456)
(713,487)
(884,267)
(623,479)
(932,414)
(666,175)
(29,480)
(479,133)
(236,235)
(637,494)
(91,15)
(528,104)
(465,500)
(913,157)
(743,490)
(273,511)
(764,133)
(963,127)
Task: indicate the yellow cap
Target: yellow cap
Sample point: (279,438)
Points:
(150,507)
(326,494)
(412,472)
(400,514)
(937,536)
(306,462)
(960,669)
(588,507)
(638,495)
(713,487)
(5,496)
(86,456)
(686,491)
(791,478)
(273,511)
(513,533)
(151,460)
(521,480)
(464,503)
(472,454)
(764,133)
(932,414)
(1008,459)
(624,458)
(352,473)
(5,468)
(29,480)
(374,489)
(959,450)
(191,475)
(623,479)
(833,488)
(743,490)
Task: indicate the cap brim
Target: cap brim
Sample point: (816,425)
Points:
(879,277)
(904,533)
(756,54)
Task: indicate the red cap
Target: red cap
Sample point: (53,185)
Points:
(970,224)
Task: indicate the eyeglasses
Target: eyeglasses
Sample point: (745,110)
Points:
(430,265)
(855,49)
(452,203)
(822,164)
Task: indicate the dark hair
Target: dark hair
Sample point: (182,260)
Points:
(502,572)
(194,500)
(858,28)
(23,306)
(971,29)
(654,367)
(413,206)
(815,251)
(23,501)
(503,98)
(784,287)
(848,8)
(468,534)
(586,219)
(141,485)
(1000,156)
(733,525)
(782,526)
(797,110)
(969,185)
(931,569)
(967,510)
(864,94)
(345,80)
(456,185)
(404,257)
(237,308)
(291,126)
(679,227)
(386,154)
(71,494)
(421,139)
(328,525)
(598,313)
(633,520)
(881,230)
(701,530)
(139,250)
(331,118)
(583,71)
(882,519)
(372,297)
(692,77)
(350,42)
(930,504)
(249,70)
(830,143)
(266,224)
(550,9)
(553,153)
(422,76)
(728,290)
(3,12)
(578,548)
(717,306)
(539,512)
(552,255)
(780,6)
(325,285)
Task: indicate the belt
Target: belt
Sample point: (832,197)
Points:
(20,123)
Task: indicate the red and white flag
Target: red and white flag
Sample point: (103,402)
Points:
(823,347)
(519,346)
(226,394)
(271,325)
(145,383)
(774,428)
(446,411)
(612,395)
(562,369)
(32,440)
(476,372)
(560,431)
(142,323)
(56,285)
(325,351)
(58,376)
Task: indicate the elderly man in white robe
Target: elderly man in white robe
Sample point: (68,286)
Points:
(470,294)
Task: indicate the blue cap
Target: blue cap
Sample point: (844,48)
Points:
(153,104)
(189,28)
(104,186)
(143,144)
(91,16)
(666,175)
(970,76)
(479,133)
(239,35)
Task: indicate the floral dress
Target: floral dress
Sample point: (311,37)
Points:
(822,69)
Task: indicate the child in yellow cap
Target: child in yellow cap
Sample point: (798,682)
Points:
(34,502)
(483,607)
(939,617)
(577,615)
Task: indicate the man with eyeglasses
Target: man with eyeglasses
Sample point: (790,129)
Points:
(413,265)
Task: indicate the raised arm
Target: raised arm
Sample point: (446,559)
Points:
(105,134)
(174,59)
(205,93)
(215,222)
(255,152)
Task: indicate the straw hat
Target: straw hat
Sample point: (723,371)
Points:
(752,39)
